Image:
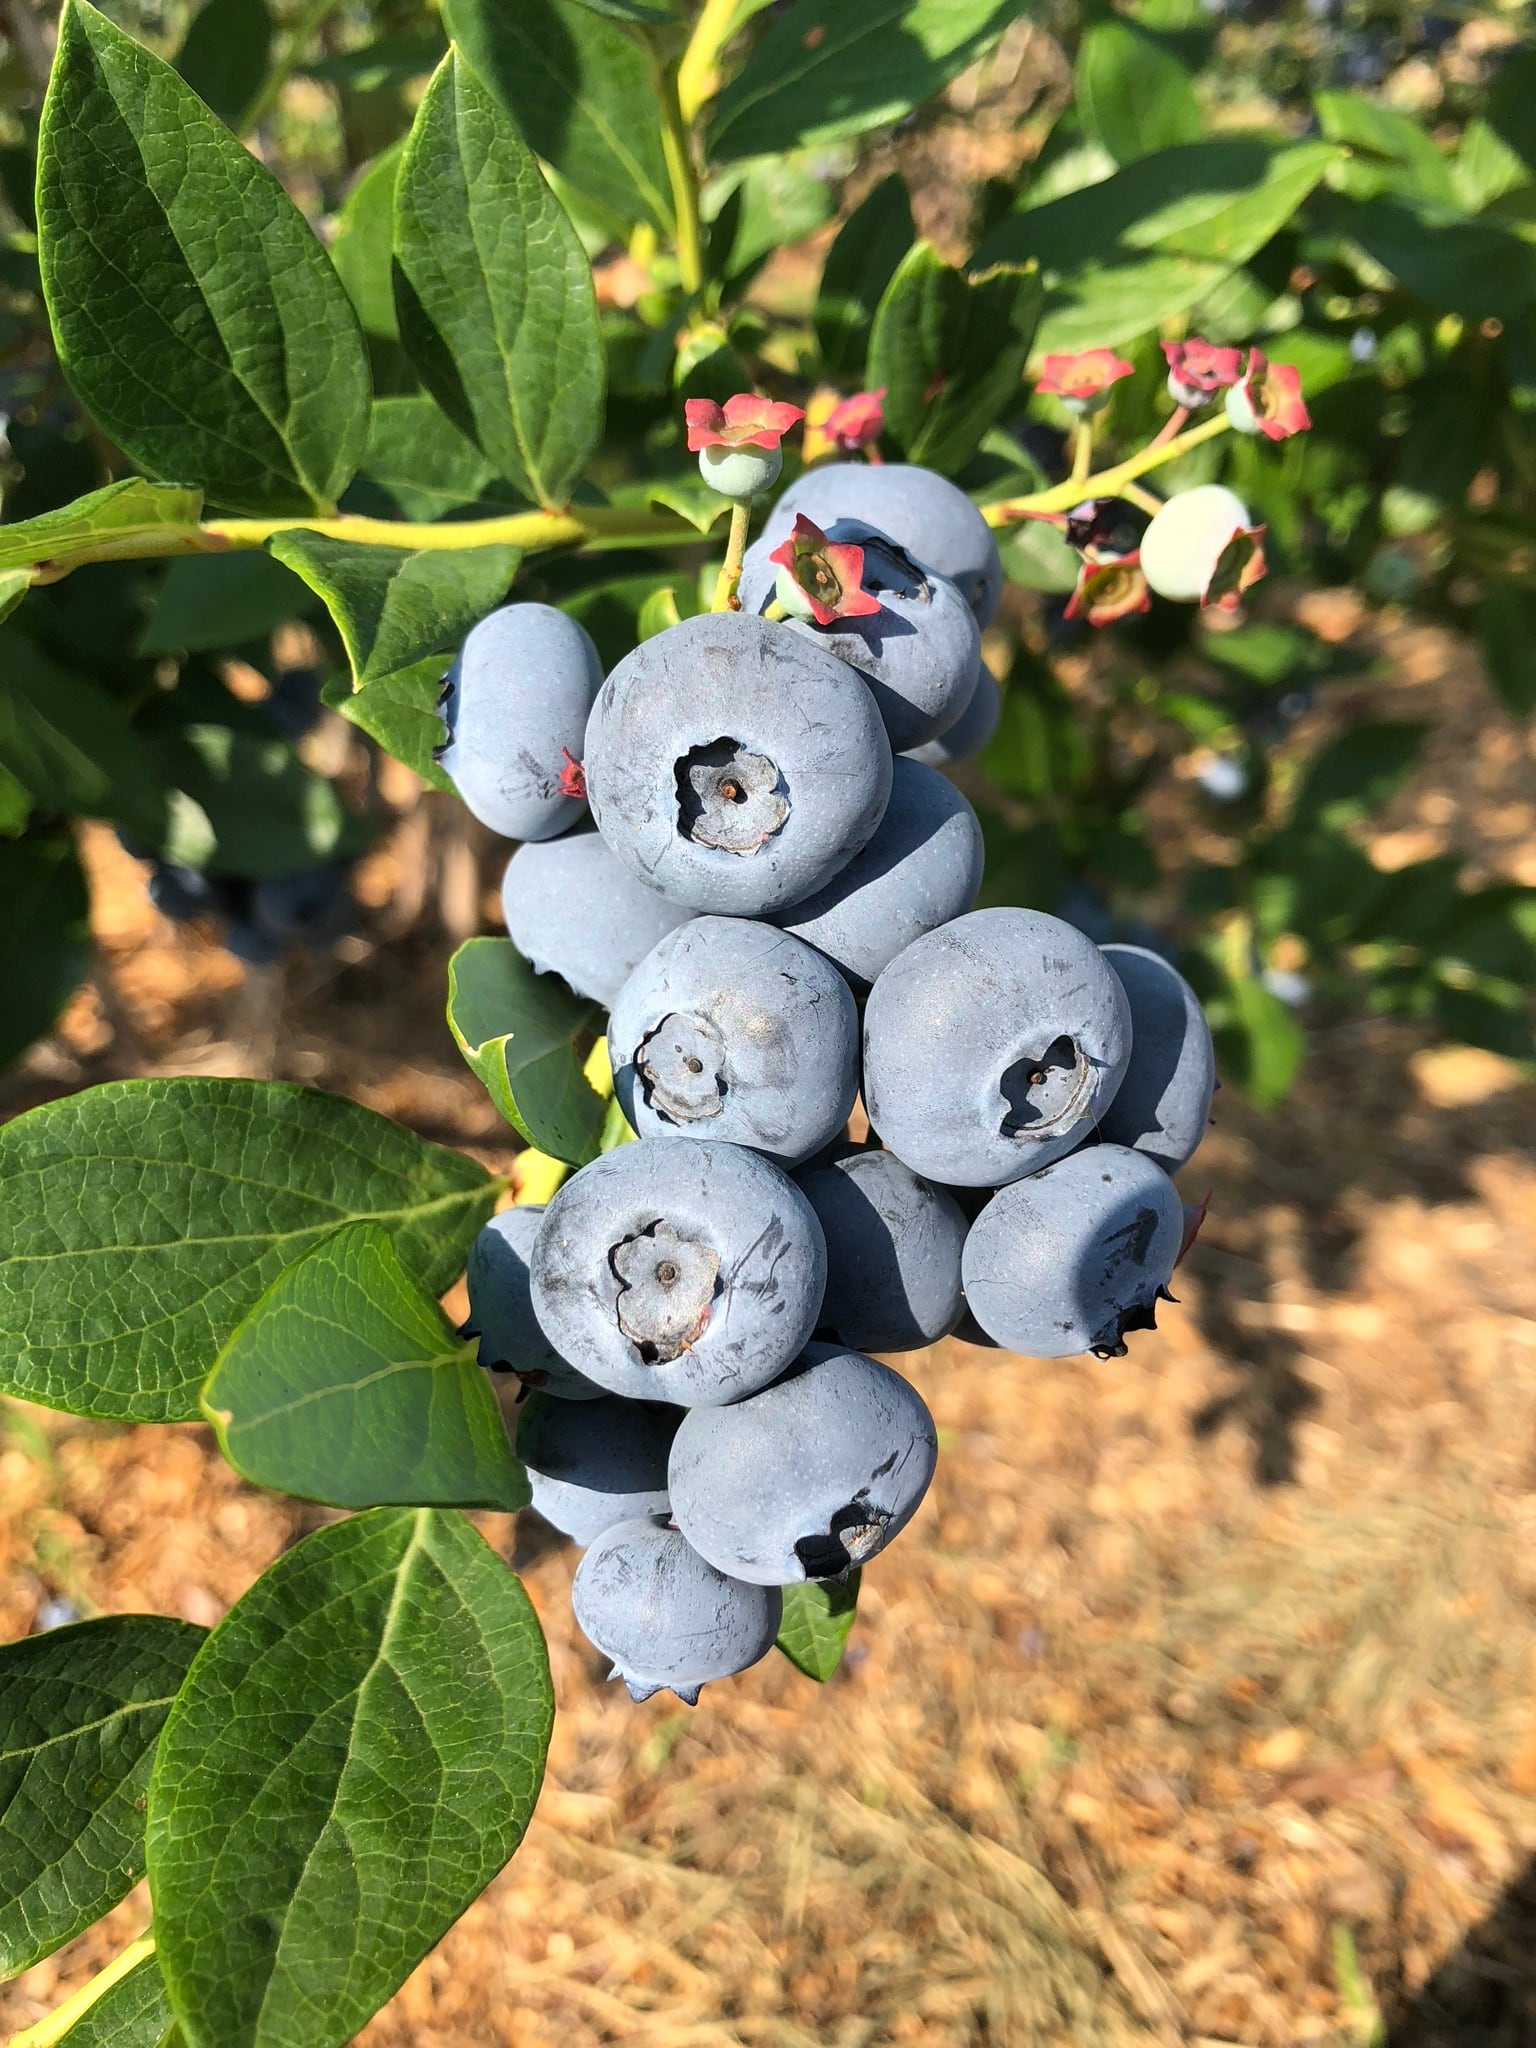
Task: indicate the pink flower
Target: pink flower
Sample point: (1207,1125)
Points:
(821,577)
(856,422)
(1238,567)
(1109,590)
(1268,400)
(1197,369)
(745,421)
(1082,381)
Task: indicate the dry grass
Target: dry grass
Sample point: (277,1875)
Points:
(1197,1705)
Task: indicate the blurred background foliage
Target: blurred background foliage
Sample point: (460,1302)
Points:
(1349,183)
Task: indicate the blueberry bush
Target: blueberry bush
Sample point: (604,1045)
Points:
(579,379)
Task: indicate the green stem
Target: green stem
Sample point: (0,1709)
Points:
(1082,448)
(726,582)
(684,181)
(272,85)
(55,2025)
(1109,483)
(698,74)
(1149,501)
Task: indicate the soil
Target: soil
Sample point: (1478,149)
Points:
(1195,1707)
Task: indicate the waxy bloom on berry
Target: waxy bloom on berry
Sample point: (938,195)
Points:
(1082,381)
(821,579)
(1268,400)
(856,422)
(1109,590)
(738,443)
(1197,369)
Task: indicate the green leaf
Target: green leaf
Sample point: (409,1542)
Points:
(363,248)
(420,457)
(1377,131)
(582,94)
(1133,95)
(494,291)
(1507,624)
(1124,254)
(194,313)
(1266,1044)
(354,1756)
(345,1384)
(1476,268)
(225,55)
(1495,1017)
(400,712)
(1357,773)
(395,606)
(45,937)
(244,803)
(14,585)
(69,744)
(757,208)
(817,1618)
(80,1712)
(950,350)
(144,1219)
(133,2013)
(125,512)
(826,69)
(518,1031)
(209,602)
(860,265)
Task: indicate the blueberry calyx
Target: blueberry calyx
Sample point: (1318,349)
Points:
(729,798)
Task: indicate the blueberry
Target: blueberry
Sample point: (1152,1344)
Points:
(893,1250)
(971,731)
(734,765)
(921,511)
(184,894)
(810,1477)
(248,942)
(501,1310)
(1163,1104)
(1186,540)
(688,1273)
(921,869)
(310,909)
(575,911)
(593,1463)
(920,653)
(732,1031)
(515,705)
(991,1045)
(667,1619)
(1075,1257)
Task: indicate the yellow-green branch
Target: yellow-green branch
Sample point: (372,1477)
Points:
(1109,483)
(55,2025)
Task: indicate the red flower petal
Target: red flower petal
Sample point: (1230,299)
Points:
(706,423)
(1083,375)
(1107,591)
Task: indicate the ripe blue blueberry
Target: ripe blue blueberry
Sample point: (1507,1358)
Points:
(810,1477)
(515,705)
(1075,1257)
(732,1031)
(314,908)
(920,653)
(575,911)
(922,511)
(991,1046)
(687,1273)
(971,731)
(501,1310)
(668,1619)
(593,1463)
(734,765)
(893,1250)
(1164,1102)
(921,869)
(184,894)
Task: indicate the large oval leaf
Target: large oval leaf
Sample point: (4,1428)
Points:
(354,1756)
(80,1712)
(45,936)
(143,1219)
(195,314)
(345,1384)
(495,292)
(580,91)
(518,1032)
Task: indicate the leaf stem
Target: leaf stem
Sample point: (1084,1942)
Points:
(1109,483)
(698,76)
(55,2025)
(726,582)
(684,180)
(272,85)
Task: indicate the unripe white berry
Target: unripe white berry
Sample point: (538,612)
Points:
(1180,549)
(740,472)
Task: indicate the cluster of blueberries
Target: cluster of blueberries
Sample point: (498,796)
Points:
(772,850)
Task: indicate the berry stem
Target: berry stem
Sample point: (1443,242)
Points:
(726,599)
(1109,483)
(1149,501)
(1170,427)
(1082,448)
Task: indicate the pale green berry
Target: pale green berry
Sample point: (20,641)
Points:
(740,472)
(1180,549)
